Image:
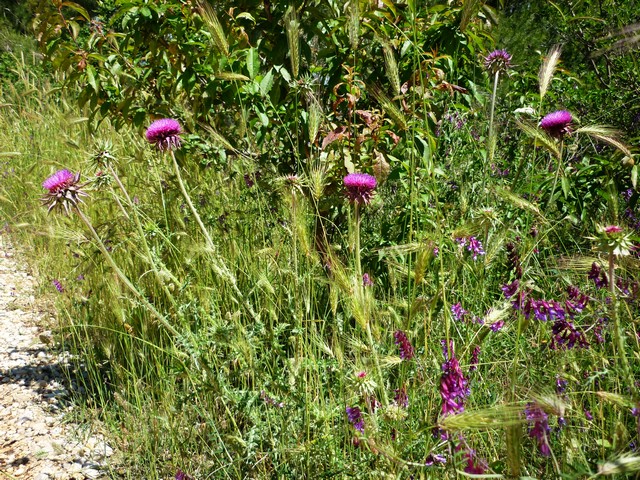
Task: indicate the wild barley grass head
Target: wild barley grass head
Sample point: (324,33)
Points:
(557,124)
(164,134)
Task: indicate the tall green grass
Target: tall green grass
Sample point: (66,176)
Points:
(254,381)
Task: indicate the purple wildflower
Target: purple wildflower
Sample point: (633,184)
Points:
(561,384)
(436,251)
(453,386)
(473,245)
(538,427)
(514,259)
(510,289)
(598,276)
(496,326)
(433,459)
(366,280)
(598,329)
(577,301)
(355,417)
(180,475)
(164,134)
(58,285)
(497,61)
(475,353)
(475,466)
(360,187)
(404,345)
(612,229)
(566,336)
(588,415)
(401,398)
(458,312)
(63,190)
(543,310)
(557,123)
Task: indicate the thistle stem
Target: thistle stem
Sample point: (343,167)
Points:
(143,238)
(123,277)
(492,143)
(218,265)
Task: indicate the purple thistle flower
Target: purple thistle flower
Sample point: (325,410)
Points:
(60,180)
(164,134)
(58,285)
(404,345)
(458,312)
(497,61)
(366,280)
(538,427)
(598,276)
(63,190)
(360,187)
(566,336)
(355,417)
(557,123)
(453,387)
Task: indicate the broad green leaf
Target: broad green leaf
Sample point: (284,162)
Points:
(266,83)
(253,62)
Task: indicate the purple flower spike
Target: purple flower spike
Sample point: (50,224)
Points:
(538,427)
(557,123)
(497,61)
(164,134)
(404,345)
(453,387)
(355,417)
(458,312)
(58,285)
(63,190)
(360,187)
(366,280)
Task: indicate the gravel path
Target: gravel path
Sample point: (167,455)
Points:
(34,442)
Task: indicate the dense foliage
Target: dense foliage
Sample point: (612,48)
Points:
(357,239)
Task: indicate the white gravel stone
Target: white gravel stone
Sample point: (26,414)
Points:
(35,443)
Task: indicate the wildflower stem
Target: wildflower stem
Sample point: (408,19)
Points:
(555,180)
(123,277)
(492,140)
(617,328)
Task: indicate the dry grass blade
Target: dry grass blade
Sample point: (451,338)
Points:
(540,137)
(211,20)
(548,68)
(606,134)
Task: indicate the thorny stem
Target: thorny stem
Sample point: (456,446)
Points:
(143,238)
(555,180)
(123,277)
(360,291)
(493,106)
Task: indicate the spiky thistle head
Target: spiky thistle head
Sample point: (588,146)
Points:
(164,134)
(497,61)
(360,187)
(63,190)
(557,124)
(613,239)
